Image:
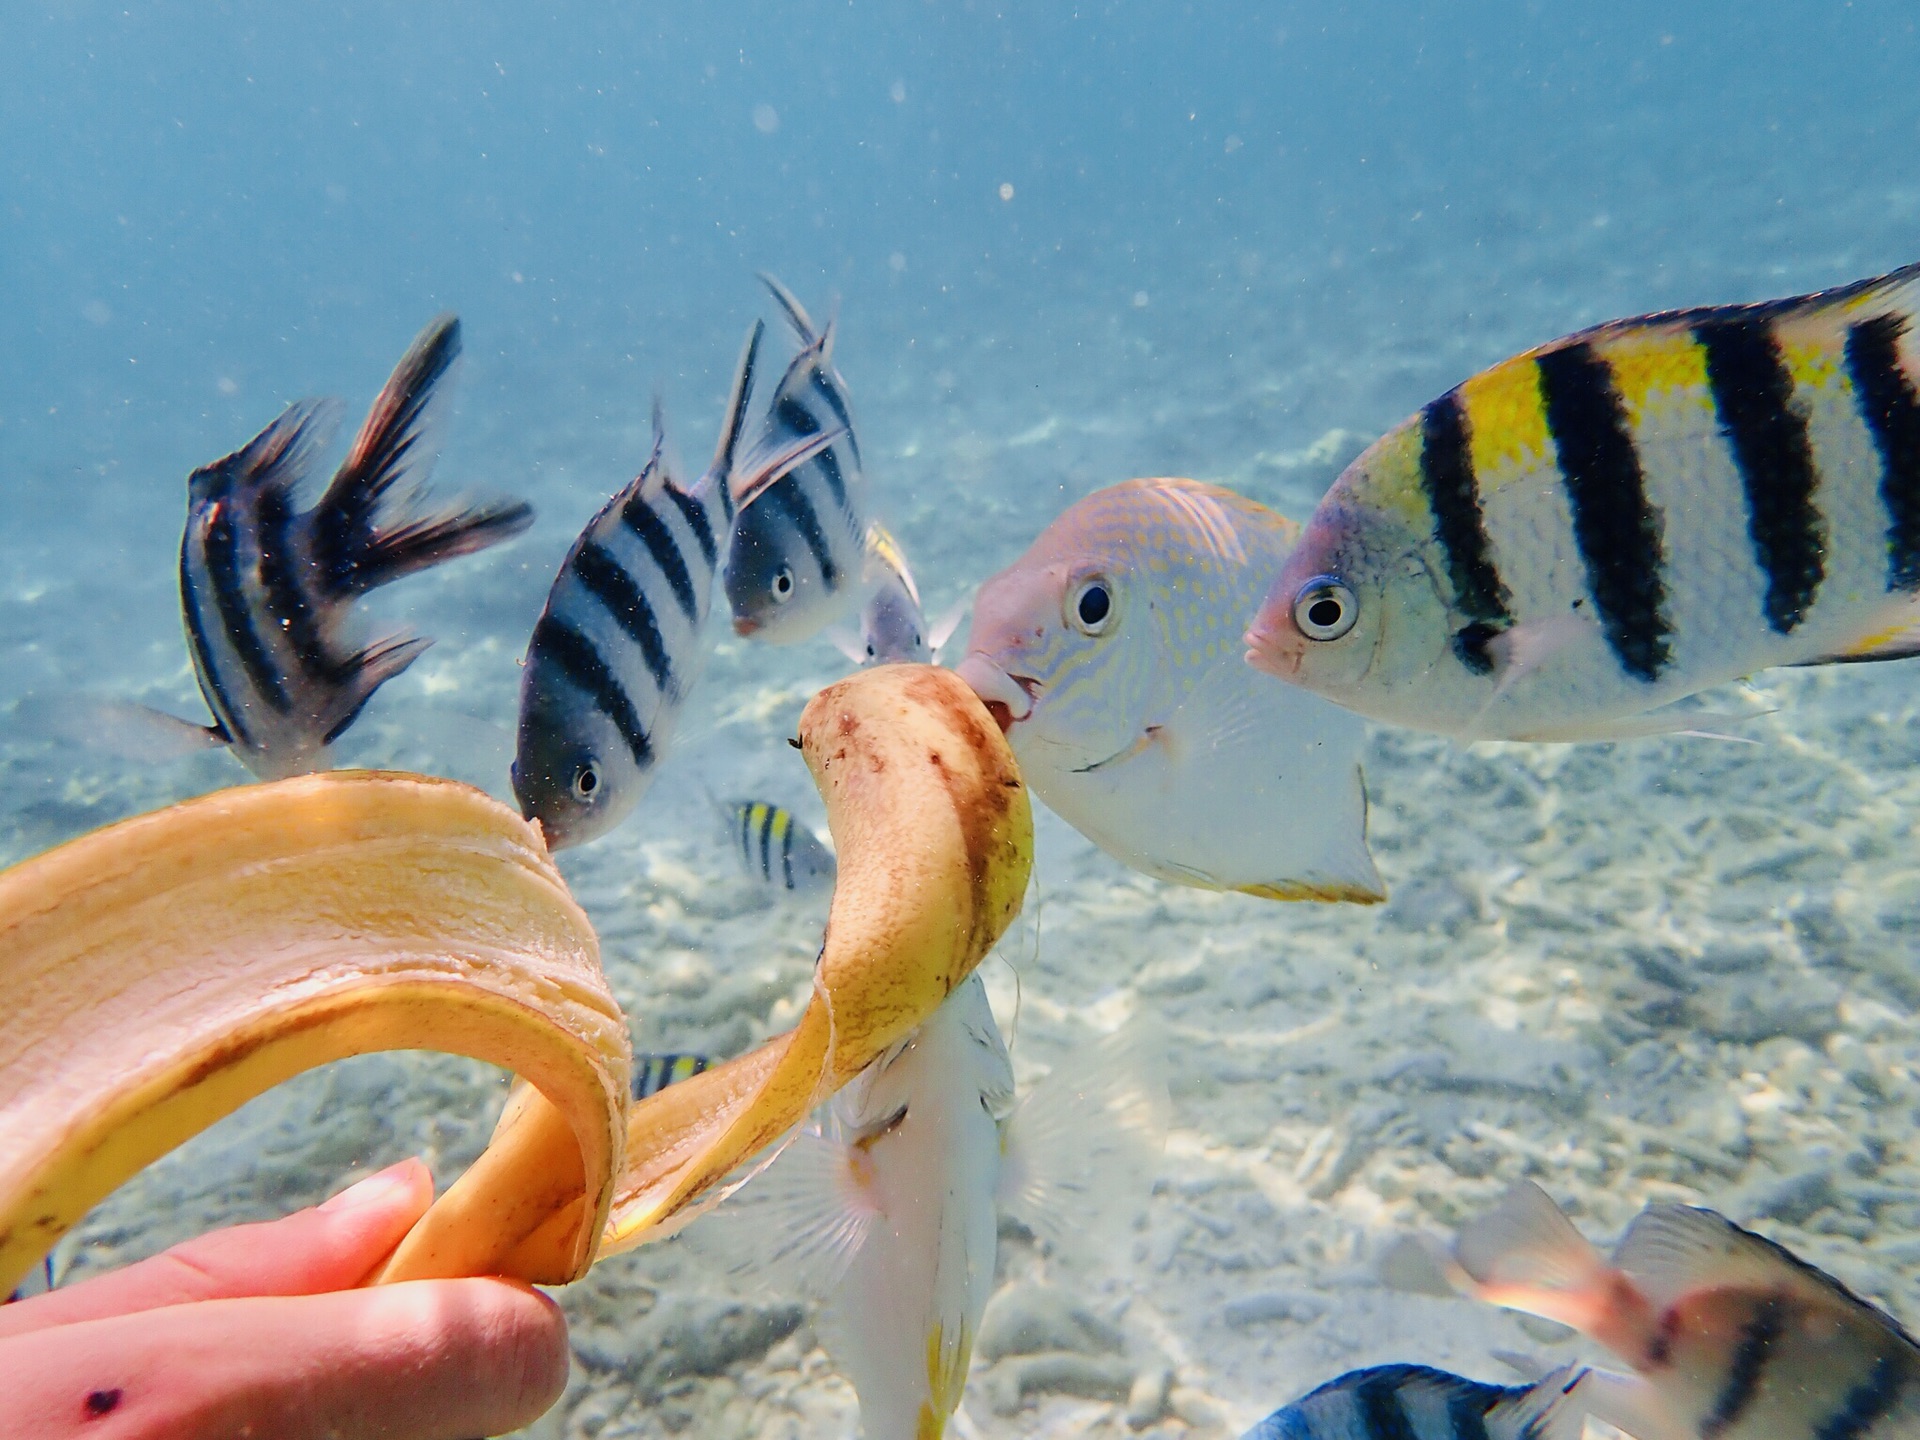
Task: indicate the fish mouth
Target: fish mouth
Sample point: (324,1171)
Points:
(1008,698)
(744,626)
(1271,648)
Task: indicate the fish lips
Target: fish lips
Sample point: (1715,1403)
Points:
(1274,643)
(1008,698)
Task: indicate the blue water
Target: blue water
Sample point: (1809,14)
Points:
(1066,246)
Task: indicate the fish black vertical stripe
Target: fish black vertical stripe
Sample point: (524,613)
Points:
(1748,1366)
(696,518)
(829,392)
(1446,472)
(1467,1412)
(786,852)
(639,516)
(221,547)
(766,835)
(285,596)
(1753,396)
(1618,532)
(574,655)
(792,502)
(226,716)
(601,574)
(1892,411)
(1381,1415)
(1867,1403)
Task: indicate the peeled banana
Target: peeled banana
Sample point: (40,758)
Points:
(161,972)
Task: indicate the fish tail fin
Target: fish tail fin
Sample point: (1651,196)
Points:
(801,1222)
(733,422)
(369,669)
(1080,1149)
(114,727)
(1525,1254)
(796,313)
(365,533)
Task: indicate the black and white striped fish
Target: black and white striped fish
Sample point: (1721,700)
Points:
(265,587)
(777,849)
(1415,1402)
(654,1073)
(1730,1336)
(623,635)
(795,561)
(1621,519)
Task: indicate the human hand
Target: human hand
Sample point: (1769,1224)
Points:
(258,1331)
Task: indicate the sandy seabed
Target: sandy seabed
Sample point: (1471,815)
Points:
(1677,969)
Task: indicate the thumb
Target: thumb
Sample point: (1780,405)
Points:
(333,1246)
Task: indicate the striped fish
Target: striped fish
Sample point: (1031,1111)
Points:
(1732,1336)
(795,561)
(1621,519)
(777,849)
(265,587)
(622,638)
(1415,1402)
(653,1073)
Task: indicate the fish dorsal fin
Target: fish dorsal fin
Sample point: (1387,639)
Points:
(1672,1250)
(400,437)
(733,420)
(796,313)
(1822,313)
(1209,517)
(885,551)
(279,457)
(1082,1145)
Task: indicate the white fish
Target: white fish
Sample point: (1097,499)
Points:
(889,1210)
(1110,654)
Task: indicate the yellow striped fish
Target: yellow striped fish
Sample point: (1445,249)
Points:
(777,849)
(653,1073)
(1621,519)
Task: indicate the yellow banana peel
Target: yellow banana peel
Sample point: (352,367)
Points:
(161,972)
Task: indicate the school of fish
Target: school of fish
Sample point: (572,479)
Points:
(1561,548)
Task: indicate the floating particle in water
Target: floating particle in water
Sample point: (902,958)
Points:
(896,262)
(897,92)
(766,119)
(1139,299)
(1006,190)
(96,312)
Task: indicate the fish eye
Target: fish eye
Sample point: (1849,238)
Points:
(783,583)
(586,781)
(1325,609)
(1090,605)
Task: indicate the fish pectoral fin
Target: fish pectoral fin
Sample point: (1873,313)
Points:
(763,467)
(1148,738)
(1078,1154)
(942,629)
(848,643)
(1556,1406)
(800,1223)
(114,727)
(1672,720)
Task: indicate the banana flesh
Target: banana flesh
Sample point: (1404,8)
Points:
(163,971)
(934,836)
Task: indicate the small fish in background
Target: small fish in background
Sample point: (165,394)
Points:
(1732,1336)
(1569,541)
(794,563)
(893,624)
(778,850)
(653,1073)
(1415,1402)
(888,1211)
(265,587)
(1109,654)
(622,637)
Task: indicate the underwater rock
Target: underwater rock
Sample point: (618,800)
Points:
(1147,1398)
(1025,1319)
(703,1335)
(1057,1372)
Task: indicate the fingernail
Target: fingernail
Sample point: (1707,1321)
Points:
(375,1189)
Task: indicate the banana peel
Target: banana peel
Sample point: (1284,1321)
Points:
(161,972)
(933,831)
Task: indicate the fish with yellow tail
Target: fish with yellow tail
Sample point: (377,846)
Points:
(1109,653)
(1732,1337)
(894,629)
(1615,521)
(888,1211)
